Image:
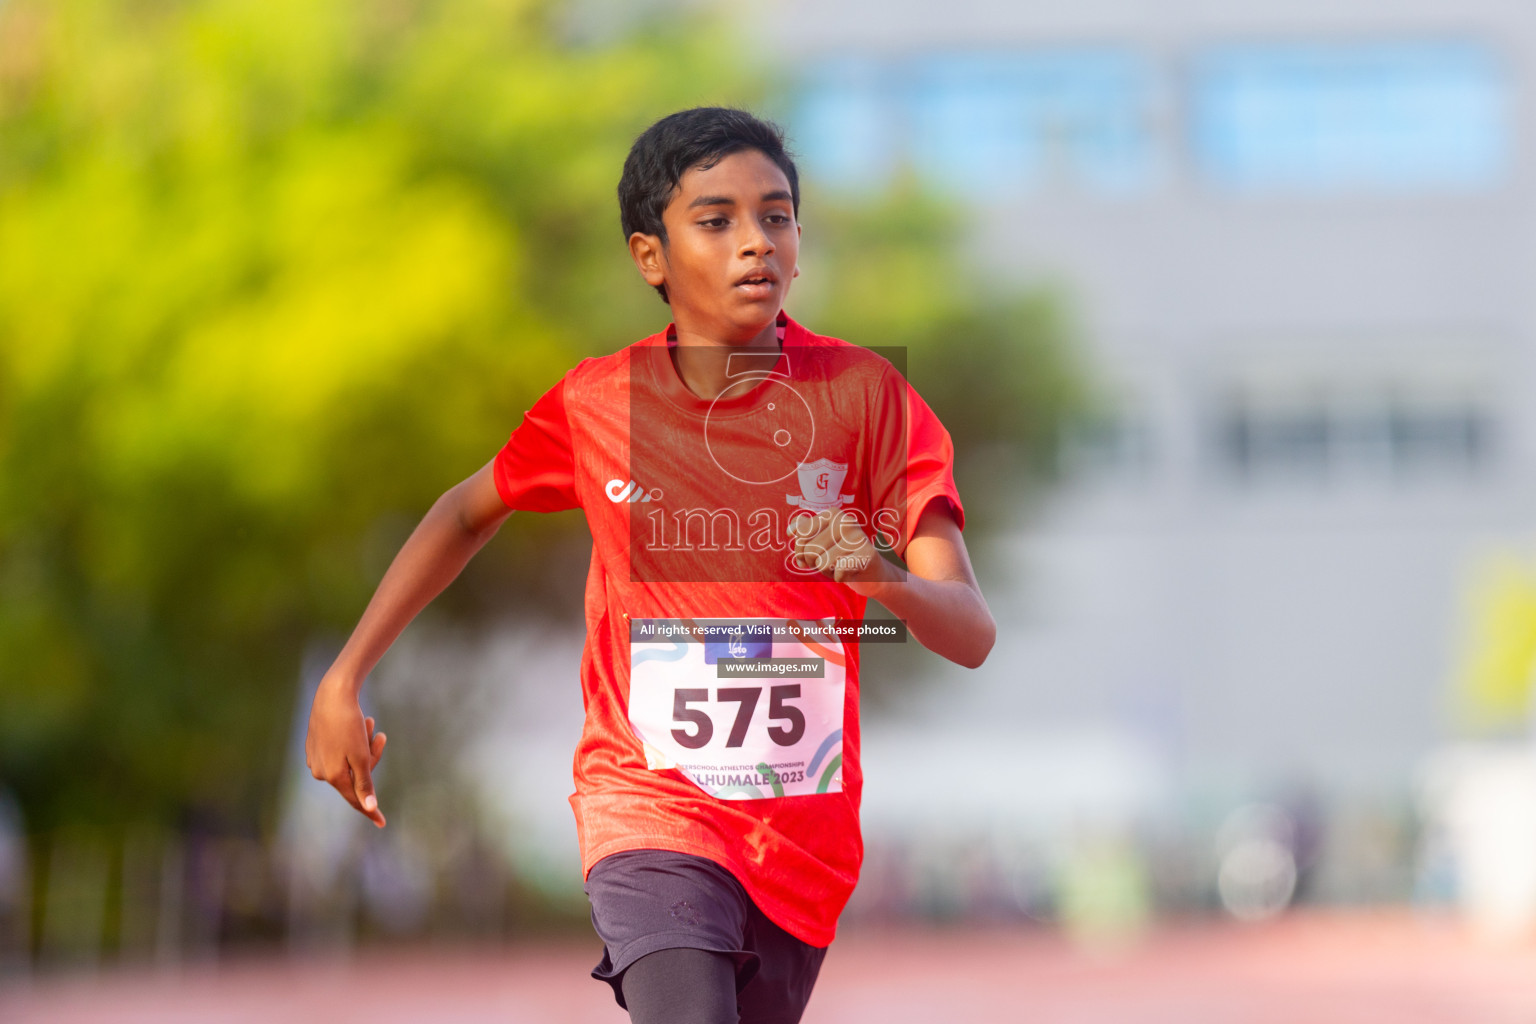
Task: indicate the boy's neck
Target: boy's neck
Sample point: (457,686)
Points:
(703,362)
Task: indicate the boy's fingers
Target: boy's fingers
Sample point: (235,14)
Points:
(807,526)
(342,783)
(362,783)
(376,751)
(847,531)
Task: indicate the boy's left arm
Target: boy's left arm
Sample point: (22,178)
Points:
(936,595)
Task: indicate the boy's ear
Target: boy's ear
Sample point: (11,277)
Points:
(645,250)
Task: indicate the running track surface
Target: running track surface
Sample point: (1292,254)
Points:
(1379,968)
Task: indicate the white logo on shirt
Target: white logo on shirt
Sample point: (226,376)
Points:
(820,482)
(619,491)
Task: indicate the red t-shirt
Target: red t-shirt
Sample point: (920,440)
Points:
(688,501)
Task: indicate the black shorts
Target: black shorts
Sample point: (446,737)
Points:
(648,900)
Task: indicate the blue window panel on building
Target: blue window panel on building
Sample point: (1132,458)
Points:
(1017,123)
(1376,117)
(844,123)
(998,123)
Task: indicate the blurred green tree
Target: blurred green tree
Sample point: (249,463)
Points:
(273,274)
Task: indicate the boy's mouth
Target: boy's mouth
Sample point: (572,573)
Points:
(760,280)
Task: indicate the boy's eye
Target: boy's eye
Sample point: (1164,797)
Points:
(713,222)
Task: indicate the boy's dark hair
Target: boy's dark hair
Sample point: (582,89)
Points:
(679,142)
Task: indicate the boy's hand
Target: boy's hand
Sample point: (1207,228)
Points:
(832,542)
(342,747)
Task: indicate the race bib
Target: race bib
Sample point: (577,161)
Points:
(745,708)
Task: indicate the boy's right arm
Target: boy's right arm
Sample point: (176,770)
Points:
(341,747)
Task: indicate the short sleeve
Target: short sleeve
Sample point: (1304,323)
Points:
(914,459)
(535,470)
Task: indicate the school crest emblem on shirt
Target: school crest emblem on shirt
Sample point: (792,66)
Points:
(820,484)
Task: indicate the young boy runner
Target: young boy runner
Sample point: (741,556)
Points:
(741,477)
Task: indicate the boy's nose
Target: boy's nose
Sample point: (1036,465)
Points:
(755,244)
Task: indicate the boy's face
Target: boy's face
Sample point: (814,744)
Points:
(732,245)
